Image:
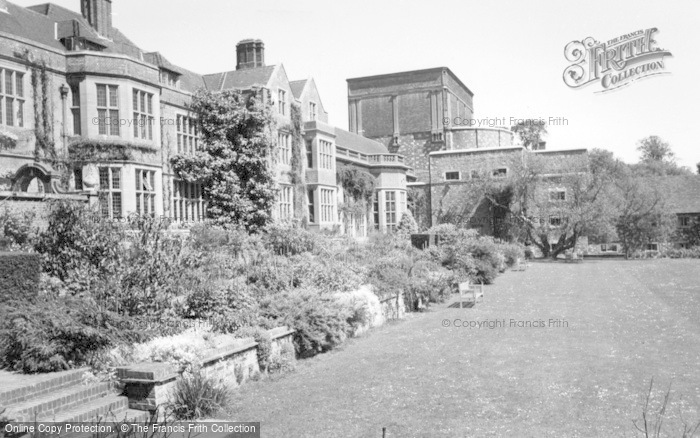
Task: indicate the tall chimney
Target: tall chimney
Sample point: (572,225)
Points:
(99,14)
(250,54)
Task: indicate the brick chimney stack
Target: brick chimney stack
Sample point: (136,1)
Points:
(99,14)
(250,54)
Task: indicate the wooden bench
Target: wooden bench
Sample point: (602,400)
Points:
(472,291)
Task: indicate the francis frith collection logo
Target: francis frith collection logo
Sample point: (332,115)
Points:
(615,63)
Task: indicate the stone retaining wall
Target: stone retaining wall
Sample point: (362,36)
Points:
(149,385)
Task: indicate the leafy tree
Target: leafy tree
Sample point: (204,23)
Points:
(530,131)
(552,207)
(653,148)
(235,164)
(657,159)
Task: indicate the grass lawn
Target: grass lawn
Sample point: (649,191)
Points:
(628,321)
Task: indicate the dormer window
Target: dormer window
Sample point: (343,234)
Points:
(170,79)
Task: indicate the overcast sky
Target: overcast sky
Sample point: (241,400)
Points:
(510,54)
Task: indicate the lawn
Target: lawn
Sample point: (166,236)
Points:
(626,322)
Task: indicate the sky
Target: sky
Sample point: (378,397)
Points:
(509,53)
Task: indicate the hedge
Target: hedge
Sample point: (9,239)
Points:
(19,275)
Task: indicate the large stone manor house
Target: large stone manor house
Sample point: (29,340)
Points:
(72,80)
(66,77)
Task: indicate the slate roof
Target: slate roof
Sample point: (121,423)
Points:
(298,87)
(55,14)
(160,60)
(239,79)
(682,192)
(358,143)
(28,24)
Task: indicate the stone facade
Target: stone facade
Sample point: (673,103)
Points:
(102,87)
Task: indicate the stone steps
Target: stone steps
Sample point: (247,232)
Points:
(64,398)
(23,387)
(57,401)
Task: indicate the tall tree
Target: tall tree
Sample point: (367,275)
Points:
(235,163)
(653,148)
(657,159)
(530,131)
(553,206)
(643,217)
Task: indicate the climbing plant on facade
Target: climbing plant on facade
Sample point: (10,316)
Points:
(43,114)
(359,187)
(235,163)
(296,175)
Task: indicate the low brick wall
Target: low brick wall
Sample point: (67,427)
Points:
(149,385)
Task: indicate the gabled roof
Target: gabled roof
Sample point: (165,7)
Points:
(298,87)
(358,143)
(682,192)
(243,79)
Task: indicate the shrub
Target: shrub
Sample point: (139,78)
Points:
(683,253)
(387,278)
(366,310)
(407,224)
(58,334)
(197,395)
(512,252)
(19,276)
(186,349)
(289,240)
(16,230)
(319,319)
(77,238)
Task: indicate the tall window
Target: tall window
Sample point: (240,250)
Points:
(327,205)
(188,203)
(110,193)
(75,108)
(309,155)
(108,109)
(312,111)
(282,101)
(11,98)
(286,201)
(325,154)
(390,210)
(143,115)
(187,135)
(375,209)
(402,203)
(283,141)
(312,212)
(145,192)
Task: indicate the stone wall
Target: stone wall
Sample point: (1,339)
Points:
(149,385)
